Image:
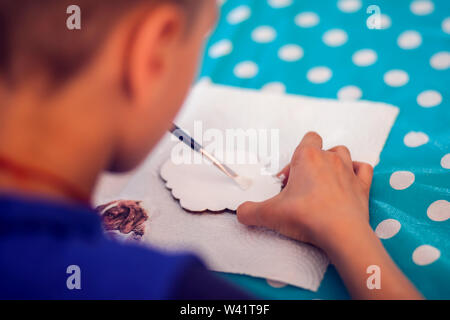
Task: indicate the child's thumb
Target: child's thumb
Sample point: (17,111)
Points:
(254,213)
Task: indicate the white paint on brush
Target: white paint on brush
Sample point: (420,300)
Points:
(243,182)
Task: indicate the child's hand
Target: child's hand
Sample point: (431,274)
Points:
(326,194)
(325,202)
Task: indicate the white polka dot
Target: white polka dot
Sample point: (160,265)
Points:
(422,7)
(409,40)
(246,70)
(290,52)
(385,21)
(276,284)
(429,98)
(319,74)
(387,228)
(279,3)
(220,49)
(264,34)
(439,210)
(364,57)
(349,93)
(396,78)
(401,180)
(445,161)
(307,19)
(349,6)
(335,37)
(221,2)
(440,60)
(446,25)
(239,15)
(274,87)
(425,254)
(415,139)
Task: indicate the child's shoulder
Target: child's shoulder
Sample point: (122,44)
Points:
(51,250)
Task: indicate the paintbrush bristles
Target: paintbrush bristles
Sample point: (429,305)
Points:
(243,182)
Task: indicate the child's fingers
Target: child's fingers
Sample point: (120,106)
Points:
(344,154)
(311,139)
(284,174)
(310,144)
(364,171)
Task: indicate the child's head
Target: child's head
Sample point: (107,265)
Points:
(131,63)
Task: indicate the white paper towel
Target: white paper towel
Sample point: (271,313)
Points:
(219,239)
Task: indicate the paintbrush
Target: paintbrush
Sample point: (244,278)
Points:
(243,182)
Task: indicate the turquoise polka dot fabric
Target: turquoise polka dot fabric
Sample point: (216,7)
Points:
(396,52)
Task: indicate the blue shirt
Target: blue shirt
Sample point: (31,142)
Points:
(39,240)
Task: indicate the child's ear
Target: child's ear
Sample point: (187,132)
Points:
(151,51)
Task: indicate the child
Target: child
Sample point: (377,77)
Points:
(75,103)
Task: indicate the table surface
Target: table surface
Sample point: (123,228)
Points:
(326,49)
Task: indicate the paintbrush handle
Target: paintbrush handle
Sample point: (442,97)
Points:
(191,143)
(185,138)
